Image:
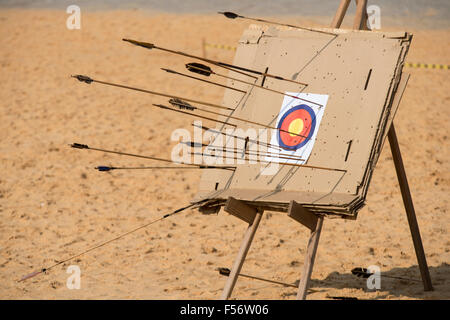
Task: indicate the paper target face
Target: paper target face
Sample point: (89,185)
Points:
(297,126)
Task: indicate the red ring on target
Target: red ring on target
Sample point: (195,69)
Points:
(297,127)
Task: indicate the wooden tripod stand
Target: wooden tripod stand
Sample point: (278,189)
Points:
(252,215)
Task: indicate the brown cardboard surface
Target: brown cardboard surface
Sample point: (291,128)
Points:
(358,110)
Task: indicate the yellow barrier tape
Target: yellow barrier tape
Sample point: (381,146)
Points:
(408,64)
(428,65)
(220,46)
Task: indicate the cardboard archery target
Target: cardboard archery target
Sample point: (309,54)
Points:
(324,155)
(298,123)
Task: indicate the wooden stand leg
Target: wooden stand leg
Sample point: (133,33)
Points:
(239,261)
(340,14)
(359,23)
(309,260)
(409,207)
(253,217)
(360,16)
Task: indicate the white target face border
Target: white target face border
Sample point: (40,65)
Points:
(305,151)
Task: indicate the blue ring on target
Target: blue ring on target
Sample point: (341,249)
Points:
(312,121)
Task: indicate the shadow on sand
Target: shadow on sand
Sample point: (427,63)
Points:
(440,277)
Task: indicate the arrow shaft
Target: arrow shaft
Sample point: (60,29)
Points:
(286,25)
(254,153)
(401,278)
(268,280)
(224,65)
(195,115)
(226,272)
(254,85)
(147,157)
(161,94)
(238,137)
(247,121)
(108,241)
(207,81)
(281,163)
(265,88)
(174,167)
(264,74)
(134,155)
(245,151)
(217,63)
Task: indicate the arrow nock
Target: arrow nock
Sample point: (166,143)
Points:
(141,44)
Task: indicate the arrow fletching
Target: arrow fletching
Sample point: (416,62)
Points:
(161,106)
(199,68)
(181,104)
(229,15)
(224,271)
(104,168)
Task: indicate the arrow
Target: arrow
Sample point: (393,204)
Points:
(89,80)
(194,115)
(227,66)
(104,168)
(232,117)
(254,153)
(243,151)
(207,71)
(107,168)
(281,163)
(232,15)
(43,270)
(199,79)
(238,137)
(224,65)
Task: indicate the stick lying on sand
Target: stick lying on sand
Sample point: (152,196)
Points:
(43,270)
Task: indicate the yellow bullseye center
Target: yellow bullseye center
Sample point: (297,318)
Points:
(296,127)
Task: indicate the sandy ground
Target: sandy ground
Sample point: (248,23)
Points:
(53,204)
